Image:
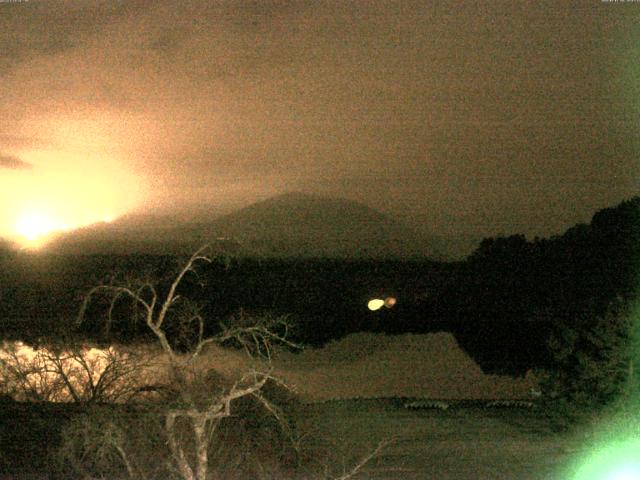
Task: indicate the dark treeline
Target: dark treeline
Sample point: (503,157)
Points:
(516,292)
(326,299)
(501,303)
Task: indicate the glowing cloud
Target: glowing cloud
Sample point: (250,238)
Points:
(35,225)
(13,163)
(65,191)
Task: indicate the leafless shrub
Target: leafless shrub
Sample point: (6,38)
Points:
(113,442)
(70,372)
(197,408)
(200,404)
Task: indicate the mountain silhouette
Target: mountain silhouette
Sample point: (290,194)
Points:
(287,225)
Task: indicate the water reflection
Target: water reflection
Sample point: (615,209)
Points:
(78,373)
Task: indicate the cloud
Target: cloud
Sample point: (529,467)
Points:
(13,163)
(10,141)
(450,115)
(68,25)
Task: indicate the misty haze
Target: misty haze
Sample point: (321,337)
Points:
(319,239)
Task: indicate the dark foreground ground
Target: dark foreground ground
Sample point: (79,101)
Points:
(466,441)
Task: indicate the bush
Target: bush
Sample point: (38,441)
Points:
(259,441)
(206,425)
(113,441)
(593,366)
(129,441)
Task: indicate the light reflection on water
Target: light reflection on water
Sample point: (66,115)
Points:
(81,373)
(27,352)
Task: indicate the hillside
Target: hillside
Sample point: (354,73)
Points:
(288,225)
(367,365)
(370,365)
(297,224)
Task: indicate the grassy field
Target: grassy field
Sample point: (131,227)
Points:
(466,441)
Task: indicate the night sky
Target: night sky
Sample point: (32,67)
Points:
(471,117)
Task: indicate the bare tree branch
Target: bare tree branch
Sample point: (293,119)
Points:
(171,296)
(178,453)
(366,459)
(190,410)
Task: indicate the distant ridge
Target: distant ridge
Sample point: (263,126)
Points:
(296,225)
(287,225)
(299,224)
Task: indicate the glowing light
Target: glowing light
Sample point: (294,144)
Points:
(616,461)
(34,226)
(626,472)
(375,304)
(389,302)
(82,171)
(44,200)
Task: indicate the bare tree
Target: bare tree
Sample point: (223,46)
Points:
(199,413)
(198,398)
(70,372)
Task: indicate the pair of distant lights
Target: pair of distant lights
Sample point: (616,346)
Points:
(377,303)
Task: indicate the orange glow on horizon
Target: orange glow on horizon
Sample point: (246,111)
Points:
(62,192)
(35,227)
(34,230)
